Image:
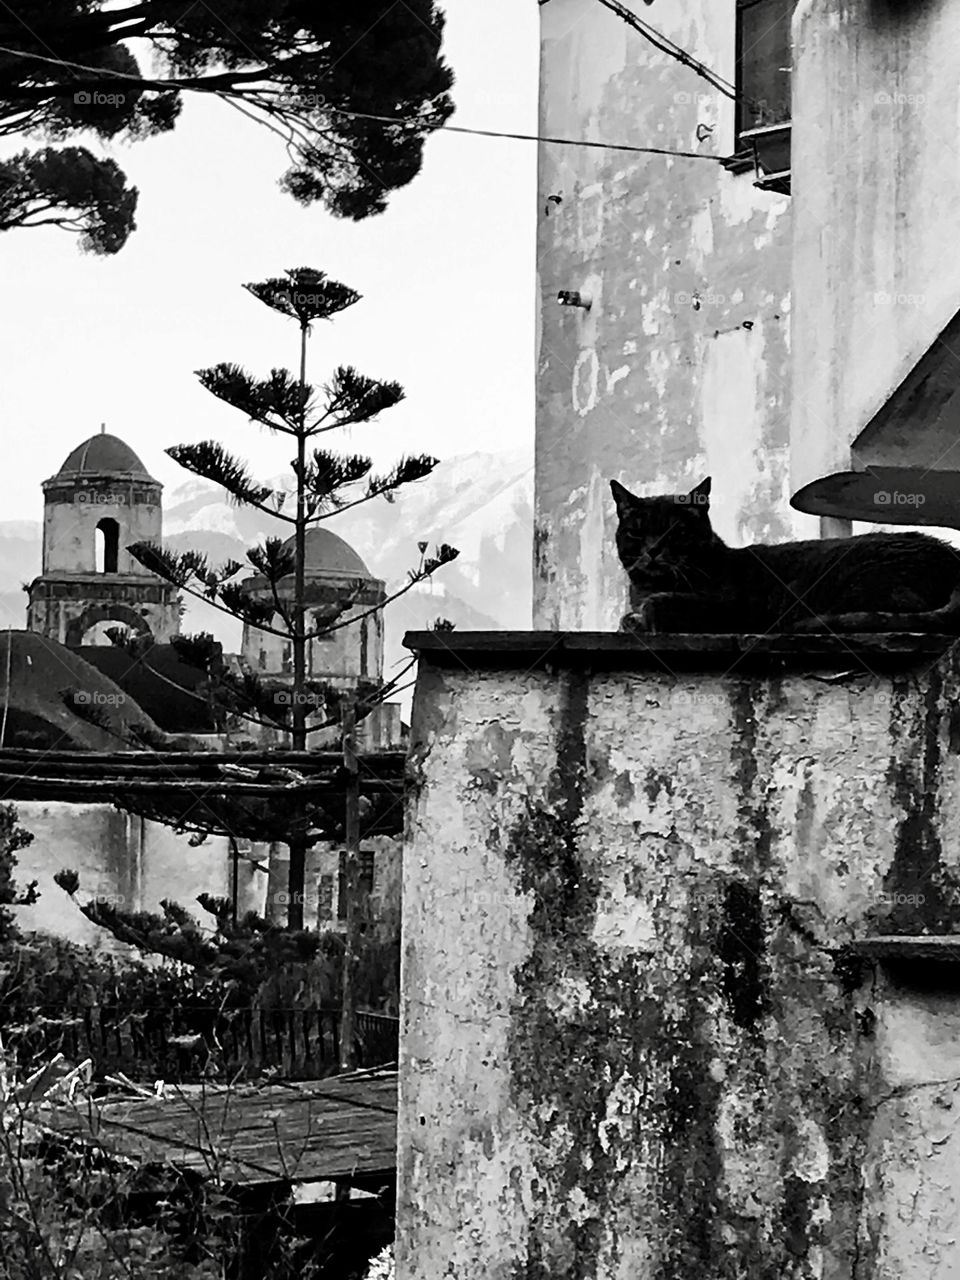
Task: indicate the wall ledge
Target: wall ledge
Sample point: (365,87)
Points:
(733,654)
(897,948)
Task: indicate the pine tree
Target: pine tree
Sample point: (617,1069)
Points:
(352,87)
(324,483)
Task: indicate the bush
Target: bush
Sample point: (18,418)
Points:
(382,1266)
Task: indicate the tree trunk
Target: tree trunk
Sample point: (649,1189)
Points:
(348,1035)
(298,841)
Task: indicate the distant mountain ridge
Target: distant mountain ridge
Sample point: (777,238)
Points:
(481,503)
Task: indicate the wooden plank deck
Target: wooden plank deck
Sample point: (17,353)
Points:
(341,1128)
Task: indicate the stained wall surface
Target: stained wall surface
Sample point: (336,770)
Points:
(634,1045)
(121,859)
(680,368)
(876,278)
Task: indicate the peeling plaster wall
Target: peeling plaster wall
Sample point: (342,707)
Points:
(121,859)
(877,278)
(629,1048)
(680,367)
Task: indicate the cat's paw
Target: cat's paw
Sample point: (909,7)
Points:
(639,621)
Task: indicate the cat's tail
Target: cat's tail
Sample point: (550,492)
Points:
(950,612)
(942,621)
(945,620)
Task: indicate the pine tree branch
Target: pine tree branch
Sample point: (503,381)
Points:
(445,554)
(206,598)
(353,398)
(211,461)
(370,704)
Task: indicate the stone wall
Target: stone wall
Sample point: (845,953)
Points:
(636,1043)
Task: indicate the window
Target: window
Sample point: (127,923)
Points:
(364,654)
(325,618)
(108,545)
(763,64)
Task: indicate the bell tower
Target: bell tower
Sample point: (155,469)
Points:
(100,501)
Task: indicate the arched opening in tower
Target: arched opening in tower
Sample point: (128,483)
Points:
(108,543)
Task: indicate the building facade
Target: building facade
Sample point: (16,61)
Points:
(876,433)
(343,658)
(100,502)
(679,367)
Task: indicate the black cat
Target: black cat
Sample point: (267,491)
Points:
(683,577)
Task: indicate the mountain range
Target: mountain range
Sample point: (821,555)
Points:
(481,503)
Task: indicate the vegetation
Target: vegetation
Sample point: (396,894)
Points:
(351,87)
(284,607)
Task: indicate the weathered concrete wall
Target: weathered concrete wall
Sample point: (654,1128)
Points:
(122,860)
(74,506)
(680,367)
(876,277)
(631,1046)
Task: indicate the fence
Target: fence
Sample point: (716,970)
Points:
(184,1044)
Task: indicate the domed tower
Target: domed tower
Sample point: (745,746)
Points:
(343,657)
(100,501)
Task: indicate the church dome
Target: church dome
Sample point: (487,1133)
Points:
(101,455)
(327,553)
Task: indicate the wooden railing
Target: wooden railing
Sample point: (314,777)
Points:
(185,1044)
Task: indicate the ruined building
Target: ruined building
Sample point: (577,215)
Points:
(100,501)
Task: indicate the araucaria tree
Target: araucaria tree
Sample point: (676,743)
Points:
(324,483)
(352,87)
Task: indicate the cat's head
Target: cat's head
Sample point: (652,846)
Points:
(664,542)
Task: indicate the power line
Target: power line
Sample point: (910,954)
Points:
(666,45)
(394,120)
(532,137)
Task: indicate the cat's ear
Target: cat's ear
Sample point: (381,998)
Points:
(700,496)
(622,497)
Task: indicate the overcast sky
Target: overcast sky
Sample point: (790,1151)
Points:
(447,277)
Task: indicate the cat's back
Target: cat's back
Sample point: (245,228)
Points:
(863,548)
(895,570)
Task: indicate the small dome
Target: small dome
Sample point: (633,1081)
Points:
(103,454)
(325,552)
